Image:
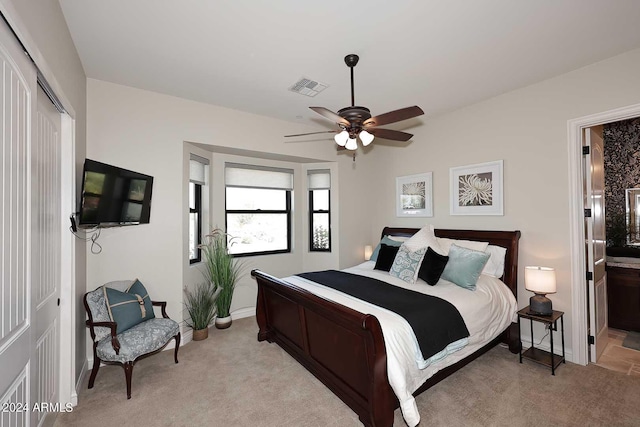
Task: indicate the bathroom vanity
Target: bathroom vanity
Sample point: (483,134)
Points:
(623,293)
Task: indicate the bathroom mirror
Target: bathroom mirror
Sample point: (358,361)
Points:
(633,216)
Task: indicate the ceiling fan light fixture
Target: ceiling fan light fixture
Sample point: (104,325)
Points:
(366,138)
(341,138)
(351,144)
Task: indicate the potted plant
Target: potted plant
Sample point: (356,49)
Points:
(222,271)
(201,305)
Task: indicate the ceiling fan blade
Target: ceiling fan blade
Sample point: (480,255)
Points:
(395,135)
(311,133)
(330,115)
(394,116)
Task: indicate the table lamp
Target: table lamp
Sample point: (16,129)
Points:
(540,281)
(368,251)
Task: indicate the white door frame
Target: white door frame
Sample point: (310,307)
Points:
(67,366)
(67,392)
(579,307)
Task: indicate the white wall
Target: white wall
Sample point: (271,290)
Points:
(43,30)
(527,128)
(146,132)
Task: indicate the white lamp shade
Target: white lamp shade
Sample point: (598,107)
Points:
(540,280)
(351,144)
(341,138)
(366,138)
(368,251)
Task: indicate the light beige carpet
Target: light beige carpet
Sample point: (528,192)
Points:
(231,379)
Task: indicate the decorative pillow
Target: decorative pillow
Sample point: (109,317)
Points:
(389,241)
(385,257)
(405,265)
(464,266)
(432,266)
(128,308)
(423,239)
(445,244)
(495,265)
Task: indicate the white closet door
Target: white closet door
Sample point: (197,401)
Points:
(46,240)
(17,336)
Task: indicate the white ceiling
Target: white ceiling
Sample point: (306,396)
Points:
(438,54)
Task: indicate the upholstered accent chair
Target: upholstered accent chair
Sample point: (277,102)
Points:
(126,347)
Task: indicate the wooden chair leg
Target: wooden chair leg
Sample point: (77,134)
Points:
(94,370)
(128,371)
(177,337)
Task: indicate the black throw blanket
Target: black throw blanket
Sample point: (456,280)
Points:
(436,323)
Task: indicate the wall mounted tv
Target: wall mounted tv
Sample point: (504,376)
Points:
(112,196)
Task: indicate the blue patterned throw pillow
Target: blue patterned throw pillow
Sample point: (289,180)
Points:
(128,308)
(405,265)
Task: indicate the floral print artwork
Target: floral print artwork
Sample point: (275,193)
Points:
(475,190)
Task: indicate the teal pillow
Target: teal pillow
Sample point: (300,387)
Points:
(128,308)
(387,241)
(405,265)
(464,266)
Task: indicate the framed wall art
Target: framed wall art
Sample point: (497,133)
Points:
(477,189)
(414,195)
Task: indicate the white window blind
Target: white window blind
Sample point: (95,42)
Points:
(197,169)
(252,176)
(319,179)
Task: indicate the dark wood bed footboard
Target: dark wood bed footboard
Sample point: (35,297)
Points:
(342,347)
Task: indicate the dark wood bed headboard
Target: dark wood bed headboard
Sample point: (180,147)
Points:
(506,239)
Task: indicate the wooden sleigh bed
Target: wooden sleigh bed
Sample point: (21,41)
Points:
(344,348)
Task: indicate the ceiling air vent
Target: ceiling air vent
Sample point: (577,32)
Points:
(308,87)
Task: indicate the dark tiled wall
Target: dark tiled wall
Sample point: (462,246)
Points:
(621,167)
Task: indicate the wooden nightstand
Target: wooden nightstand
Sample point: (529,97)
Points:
(540,356)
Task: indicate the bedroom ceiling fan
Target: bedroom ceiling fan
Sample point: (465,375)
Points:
(355,121)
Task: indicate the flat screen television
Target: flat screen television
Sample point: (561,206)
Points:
(112,196)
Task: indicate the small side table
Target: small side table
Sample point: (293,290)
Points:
(549,359)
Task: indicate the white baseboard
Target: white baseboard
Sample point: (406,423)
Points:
(546,346)
(243,312)
(187,336)
(83,374)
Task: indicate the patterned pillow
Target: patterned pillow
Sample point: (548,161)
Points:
(128,308)
(405,265)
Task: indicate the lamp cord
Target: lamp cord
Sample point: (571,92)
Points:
(545,335)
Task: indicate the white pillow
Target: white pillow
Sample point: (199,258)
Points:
(495,265)
(398,238)
(445,244)
(423,239)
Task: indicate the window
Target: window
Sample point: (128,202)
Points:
(319,210)
(195,222)
(197,175)
(258,209)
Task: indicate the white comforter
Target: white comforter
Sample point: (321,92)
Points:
(487,311)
